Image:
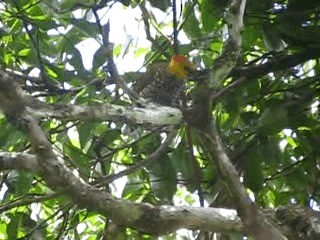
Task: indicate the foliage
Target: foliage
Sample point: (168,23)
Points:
(268,119)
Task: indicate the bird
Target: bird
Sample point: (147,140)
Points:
(163,83)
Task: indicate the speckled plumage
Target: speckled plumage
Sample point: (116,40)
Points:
(160,86)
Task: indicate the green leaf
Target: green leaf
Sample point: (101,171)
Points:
(99,58)
(210,15)
(24,52)
(125,2)
(117,50)
(191,25)
(270,150)
(253,174)
(161,4)
(148,144)
(141,52)
(250,36)
(88,29)
(232,106)
(68,4)
(76,155)
(273,119)
(136,187)
(10,138)
(24,182)
(13,226)
(86,132)
(271,38)
(76,60)
(3,230)
(110,136)
(163,179)
(182,164)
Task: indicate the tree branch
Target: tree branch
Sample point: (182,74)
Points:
(26,200)
(151,114)
(255,224)
(150,159)
(277,63)
(18,161)
(140,216)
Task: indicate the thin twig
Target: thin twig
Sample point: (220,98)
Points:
(112,68)
(147,18)
(152,157)
(27,200)
(175,28)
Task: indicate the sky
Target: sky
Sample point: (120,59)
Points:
(127,29)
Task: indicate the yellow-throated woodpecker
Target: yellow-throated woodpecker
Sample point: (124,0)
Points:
(163,83)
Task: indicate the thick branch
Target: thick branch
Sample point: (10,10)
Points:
(255,224)
(276,63)
(154,115)
(18,161)
(166,219)
(150,114)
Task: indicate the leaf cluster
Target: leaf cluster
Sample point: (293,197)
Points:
(267,110)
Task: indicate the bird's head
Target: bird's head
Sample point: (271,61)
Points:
(180,66)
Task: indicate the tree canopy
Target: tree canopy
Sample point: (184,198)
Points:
(82,156)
